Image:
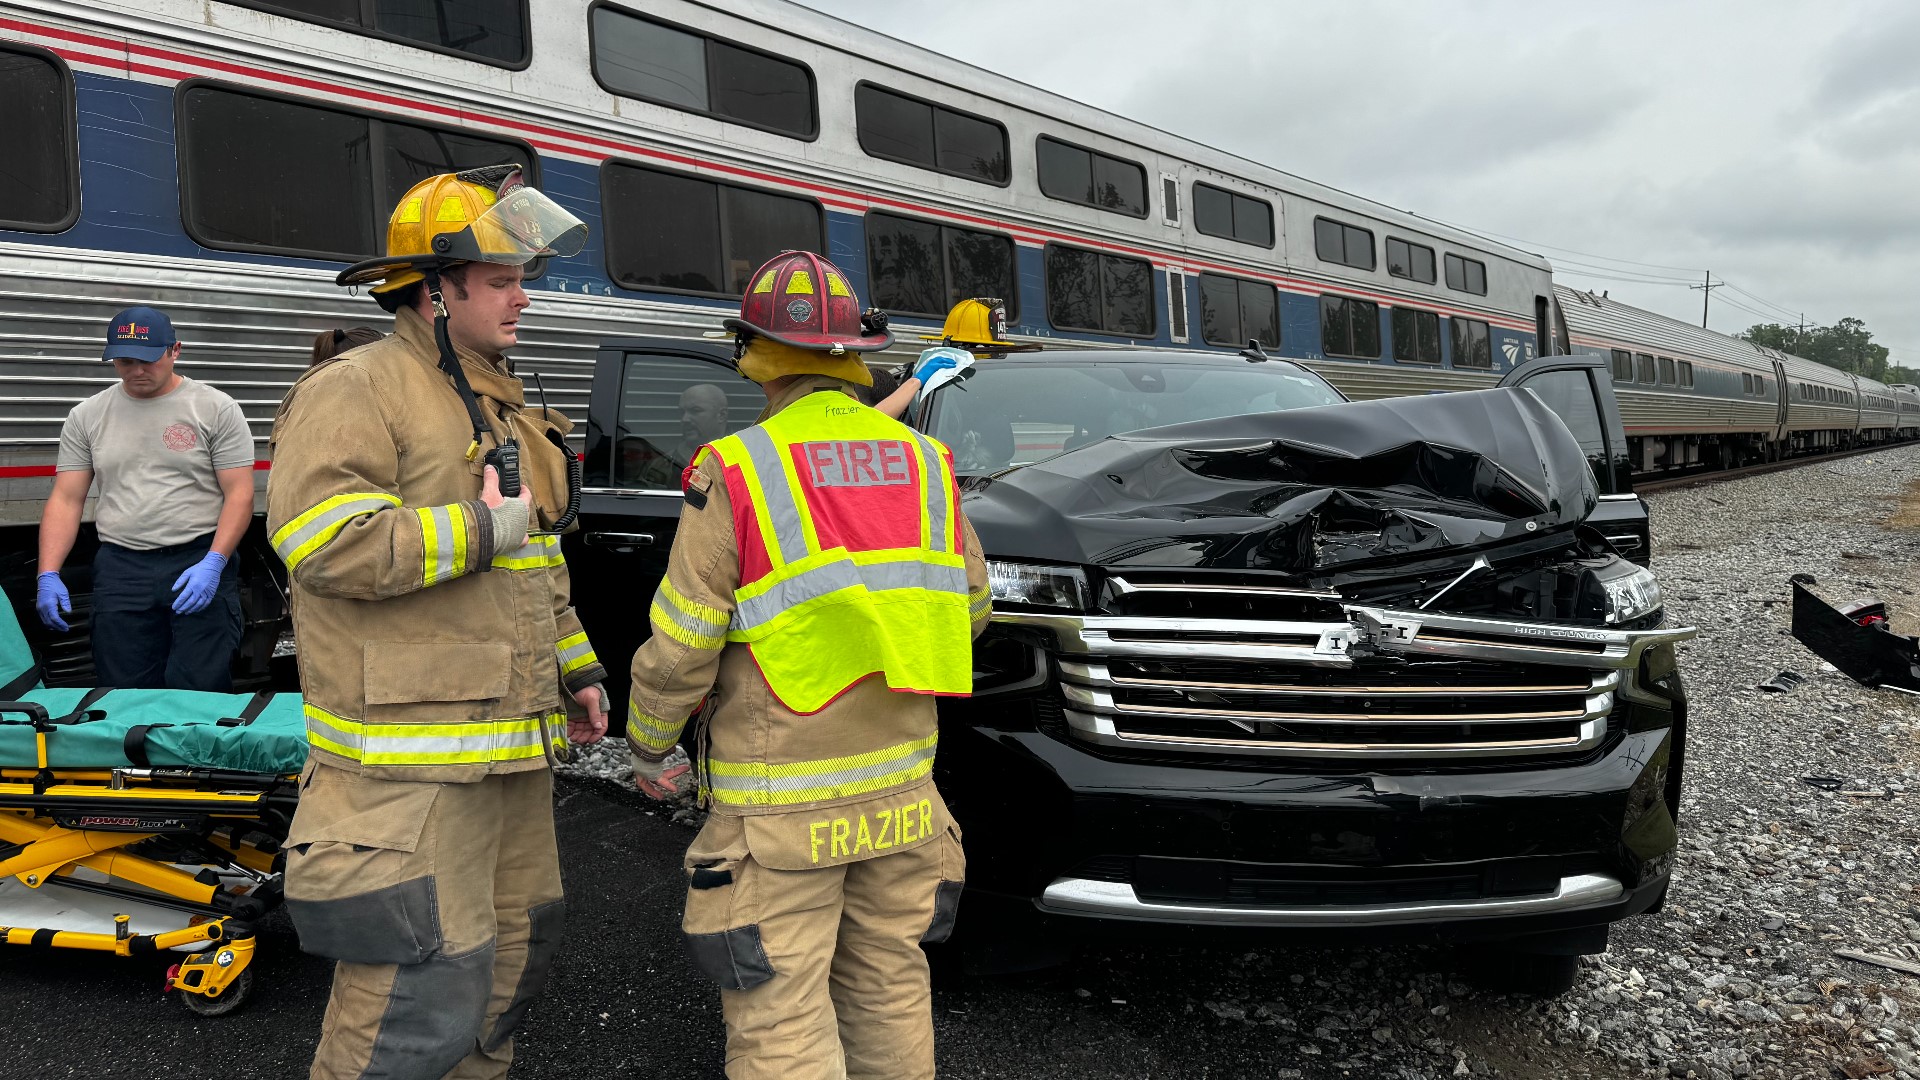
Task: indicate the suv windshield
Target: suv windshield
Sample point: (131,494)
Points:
(1018,412)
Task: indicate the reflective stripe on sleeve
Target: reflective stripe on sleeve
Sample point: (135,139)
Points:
(761,784)
(761,609)
(696,626)
(469,743)
(980,603)
(316,527)
(537,552)
(443,543)
(575,652)
(651,732)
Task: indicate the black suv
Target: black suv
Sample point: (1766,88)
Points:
(1262,658)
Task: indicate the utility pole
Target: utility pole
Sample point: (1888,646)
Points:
(1706,294)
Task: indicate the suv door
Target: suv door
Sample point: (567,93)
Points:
(653,402)
(1579,389)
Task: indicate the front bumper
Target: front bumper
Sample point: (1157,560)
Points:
(1390,840)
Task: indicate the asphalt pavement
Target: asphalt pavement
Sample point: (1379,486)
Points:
(625,1002)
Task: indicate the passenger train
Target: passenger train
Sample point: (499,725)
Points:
(1691,398)
(223,160)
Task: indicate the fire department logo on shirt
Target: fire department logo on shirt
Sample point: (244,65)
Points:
(180,437)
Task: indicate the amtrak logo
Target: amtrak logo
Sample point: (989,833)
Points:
(800,310)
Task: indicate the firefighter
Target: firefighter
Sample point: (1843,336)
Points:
(974,326)
(416,500)
(824,587)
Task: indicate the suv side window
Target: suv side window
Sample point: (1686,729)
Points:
(669,407)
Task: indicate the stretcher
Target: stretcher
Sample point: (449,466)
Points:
(140,822)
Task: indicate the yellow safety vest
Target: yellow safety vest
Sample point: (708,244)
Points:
(851,560)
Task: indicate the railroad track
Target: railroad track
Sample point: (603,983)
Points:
(1668,483)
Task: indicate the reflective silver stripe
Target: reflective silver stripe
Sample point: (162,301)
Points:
(725,779)
(442,554)
(490,741)
(575,655)
(775,494)
(757,611)
(290,546)
(664,603)
(936,492)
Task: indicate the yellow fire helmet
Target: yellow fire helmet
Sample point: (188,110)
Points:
(978,325)
(480,215)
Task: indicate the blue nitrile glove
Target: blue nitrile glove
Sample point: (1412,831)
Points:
(197,584)
(51,601)
(939,358)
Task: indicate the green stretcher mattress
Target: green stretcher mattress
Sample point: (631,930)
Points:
(181,727)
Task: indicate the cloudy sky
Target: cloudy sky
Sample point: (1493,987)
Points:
(1636,144)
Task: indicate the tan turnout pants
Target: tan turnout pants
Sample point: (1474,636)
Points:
(821,972)
(441,904)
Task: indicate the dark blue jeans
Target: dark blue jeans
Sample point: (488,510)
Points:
(138,642)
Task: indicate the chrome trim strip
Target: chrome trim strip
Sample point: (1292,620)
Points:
(1101,676)
(1101,730)
(1091,635)
(1101,701)
(1123,587)
(1117,900)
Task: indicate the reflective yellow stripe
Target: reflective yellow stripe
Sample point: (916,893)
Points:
(757,783)
(980,602)
(537,552)
(443,543)
(696,626)
(657,735)
(467,743)
(575,653)
(315,527)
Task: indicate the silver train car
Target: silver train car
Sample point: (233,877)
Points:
(1692,398)
(222,160)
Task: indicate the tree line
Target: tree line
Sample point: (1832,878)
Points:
(1847,345)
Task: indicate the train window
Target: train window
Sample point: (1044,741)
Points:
(1643,368)
(1409,260)
(1232,216)
(490,31)
(269,174)
(674,233)
(1177,306)
(1106,294)
(1666,371)
(1746,382)
(1472,344)
(1170,200)
(639,57)
(1622,366)
(896,127)
(1349,327)
(1077,175)
(1416,336)
(1234,311)
(1686,373)
(1760,383)
(1338,242)
(920,268)
(1466,275)
(40,187)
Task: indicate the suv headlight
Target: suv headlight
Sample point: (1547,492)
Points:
(1632,593)
(1037,585)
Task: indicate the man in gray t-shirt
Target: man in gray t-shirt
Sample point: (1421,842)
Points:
(175,462)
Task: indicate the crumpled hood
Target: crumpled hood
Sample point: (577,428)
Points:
(1296,492)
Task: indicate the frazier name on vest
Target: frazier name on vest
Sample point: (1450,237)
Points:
(890,828)
(858,463)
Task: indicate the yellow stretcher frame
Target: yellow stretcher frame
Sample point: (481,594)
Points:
(128,807)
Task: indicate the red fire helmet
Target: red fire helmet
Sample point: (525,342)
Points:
(798,298)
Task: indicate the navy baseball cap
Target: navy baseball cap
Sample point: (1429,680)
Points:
(139,333)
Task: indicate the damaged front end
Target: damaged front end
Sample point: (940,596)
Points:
(1361,665)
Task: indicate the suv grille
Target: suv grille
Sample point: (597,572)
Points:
(1321,679)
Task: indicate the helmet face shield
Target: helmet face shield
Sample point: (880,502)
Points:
(521,225)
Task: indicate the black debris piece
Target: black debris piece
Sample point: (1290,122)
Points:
(1782,682)
(1868,652)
